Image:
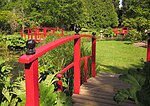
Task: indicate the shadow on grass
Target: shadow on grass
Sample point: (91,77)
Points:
(118,70)
(128,43)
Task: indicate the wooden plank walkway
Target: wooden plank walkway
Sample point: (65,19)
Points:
(99,91)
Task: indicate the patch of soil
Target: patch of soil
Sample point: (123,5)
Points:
(141,44)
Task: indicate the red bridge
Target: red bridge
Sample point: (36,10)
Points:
(98,91)
(123,31)
(30,59)
(38,34)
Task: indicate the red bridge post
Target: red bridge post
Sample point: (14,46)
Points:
(148,48)
(93,55)
(77,62)
(31,78)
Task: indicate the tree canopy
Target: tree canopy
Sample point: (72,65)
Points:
(135,14)
(62,13)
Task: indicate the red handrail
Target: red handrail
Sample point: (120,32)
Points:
(31,66)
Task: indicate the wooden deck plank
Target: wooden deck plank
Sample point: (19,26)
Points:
(99,91)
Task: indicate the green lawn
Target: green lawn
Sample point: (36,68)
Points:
(118,56)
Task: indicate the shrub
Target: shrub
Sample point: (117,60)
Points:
(139,23)
(108,32)
(133,35)
(8,21)
(11,91)
(13,42)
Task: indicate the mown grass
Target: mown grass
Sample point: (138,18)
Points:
(118,56)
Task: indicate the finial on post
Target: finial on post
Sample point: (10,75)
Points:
(31,47)
(77,30)
(93,33)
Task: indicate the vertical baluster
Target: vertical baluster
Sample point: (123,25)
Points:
(59,83)
(44,30)
(85,68)
(93,55)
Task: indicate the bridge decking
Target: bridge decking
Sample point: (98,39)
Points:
(99,91)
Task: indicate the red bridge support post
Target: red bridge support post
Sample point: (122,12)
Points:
(31,78)
(77,63)
(148,48)
(93,55)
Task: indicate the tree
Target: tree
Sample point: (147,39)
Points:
(136,12)
(64,13)
(136,8)
(99,14)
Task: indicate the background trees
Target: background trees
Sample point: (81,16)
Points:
(137,12)
(61,13)
(99,14)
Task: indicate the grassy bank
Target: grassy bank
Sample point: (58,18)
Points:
(119,56)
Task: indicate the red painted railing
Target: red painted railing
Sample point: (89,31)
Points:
(123,31)
(38,34)
(30,59)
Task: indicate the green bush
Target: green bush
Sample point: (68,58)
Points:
(133,36)
(108,32)
(8,22)
(12,42)
(139,23)
(11,90)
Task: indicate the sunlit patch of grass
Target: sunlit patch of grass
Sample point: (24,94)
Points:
(119,56)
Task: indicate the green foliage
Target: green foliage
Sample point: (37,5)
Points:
(99,14)
(136,8)
(139,23)
(8,21)
(108,32)
(133,35)
(13,42)
(61,13)
(137,27)
(48,95)
(139,90)
(8,86)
